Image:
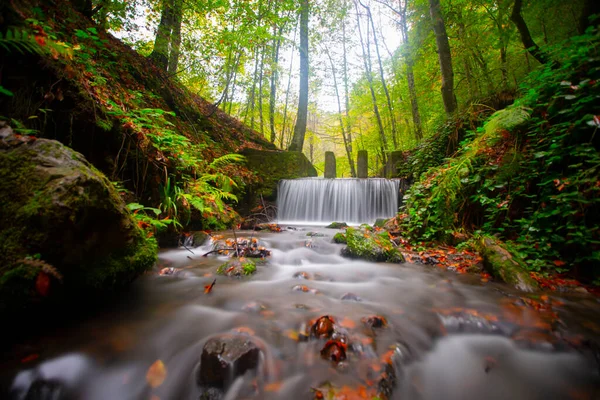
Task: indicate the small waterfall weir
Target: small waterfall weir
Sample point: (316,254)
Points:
(322,201)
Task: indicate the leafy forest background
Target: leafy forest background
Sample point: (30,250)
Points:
(420,78)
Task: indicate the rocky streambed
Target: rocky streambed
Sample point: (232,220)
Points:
(307,323)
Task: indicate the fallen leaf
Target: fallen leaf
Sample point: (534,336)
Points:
(209,288)
(156,374)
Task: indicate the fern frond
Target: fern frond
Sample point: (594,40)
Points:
(226,160)
(21,41)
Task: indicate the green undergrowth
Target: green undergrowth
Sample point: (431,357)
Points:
(167,147)
(530,174)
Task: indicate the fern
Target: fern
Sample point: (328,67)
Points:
(21,41)
(226,160)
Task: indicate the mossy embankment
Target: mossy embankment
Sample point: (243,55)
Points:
(527,176)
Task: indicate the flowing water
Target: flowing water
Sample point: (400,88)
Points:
(448,336)
(322,201)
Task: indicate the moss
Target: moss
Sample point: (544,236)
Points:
(503,264)
(370,246)
(237,267)
(337,225)
(56,205)
(339,238)
(272,166)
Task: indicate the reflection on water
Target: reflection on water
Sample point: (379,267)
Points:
(447,336)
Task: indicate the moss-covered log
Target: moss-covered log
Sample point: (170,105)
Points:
(504,265)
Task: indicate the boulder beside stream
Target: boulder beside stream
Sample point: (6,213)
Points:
(63,226)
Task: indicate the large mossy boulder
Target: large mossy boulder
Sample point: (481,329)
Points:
(371,246)
(272,166)
(63,226)
(503,264)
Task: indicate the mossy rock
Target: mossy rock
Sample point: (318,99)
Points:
(504,265)
(273,166)
(371,246)
(337,225)
(61,210)
(380,223)
(339,238)
(237,267)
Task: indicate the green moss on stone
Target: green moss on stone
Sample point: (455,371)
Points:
(339,238)
(370,246)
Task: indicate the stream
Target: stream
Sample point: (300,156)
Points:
(444,336)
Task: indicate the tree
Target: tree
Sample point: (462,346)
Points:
(168,36)
(444,55)
(301,119)
(526,38)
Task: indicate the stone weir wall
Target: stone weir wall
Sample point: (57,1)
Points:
(271,166)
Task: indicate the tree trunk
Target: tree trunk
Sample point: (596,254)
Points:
(410,76)
(346,89)
(368,73)
(175,37)
(341,119)
(382,77)
(300,127)
(526,38)
(260,91)
(287,93)
(160,53)
(445,57)
(83,6)
(274,77)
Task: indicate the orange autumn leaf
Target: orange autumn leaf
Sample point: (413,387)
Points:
(42,284)
(157,373)
(273,387)
(559,263)
(209,288)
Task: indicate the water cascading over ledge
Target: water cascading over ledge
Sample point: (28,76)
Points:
(321,201)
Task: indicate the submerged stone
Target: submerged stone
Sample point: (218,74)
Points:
(226,357)
(61,216)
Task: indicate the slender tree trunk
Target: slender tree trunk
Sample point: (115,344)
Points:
(232,92)
(300,127)
(160,53)
(251,97)
(526,38)
(347,98)
(368,73)
(410,76)
(445,57)
(287,93)
(260,91)
(274,78)
(383,82)
(175,37)
(504,66)
(341,119)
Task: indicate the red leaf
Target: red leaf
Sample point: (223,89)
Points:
(42,284)
(209,288)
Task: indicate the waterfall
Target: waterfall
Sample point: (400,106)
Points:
(322,201)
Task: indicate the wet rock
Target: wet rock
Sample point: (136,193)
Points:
(254,307)
(504,265)
(469,321)
(337,225)
(375,321)
(371,246)
(351,297)
(226,357)
(305,289)
(169,271)
(302,275)
(322,328)
(56,204)
(315,234)
(212,394)
(334,350)
(237,267)
(46,390)
(197,238)
(339,238)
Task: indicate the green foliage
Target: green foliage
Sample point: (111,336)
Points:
(147,218)
(530,175)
